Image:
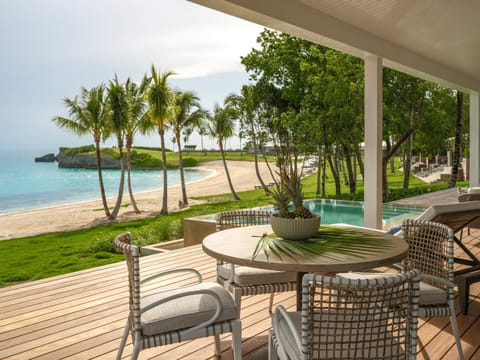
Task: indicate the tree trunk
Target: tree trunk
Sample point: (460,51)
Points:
(458,141)
(100,179)
(358,154)
(164,209)
(336,176)
(351,175)
(407,164)
(319,172)
(235,196)
(118,204)
(182,175)
(129,180)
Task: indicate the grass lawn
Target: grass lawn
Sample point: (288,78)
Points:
(42,256)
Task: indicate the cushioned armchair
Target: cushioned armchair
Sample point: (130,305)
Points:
(349,319)
(244,280)
(175,315)
(430,250)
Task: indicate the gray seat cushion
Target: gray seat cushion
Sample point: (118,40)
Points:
(245,275)
(429,295)
(185,312)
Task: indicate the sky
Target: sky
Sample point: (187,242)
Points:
(51,48)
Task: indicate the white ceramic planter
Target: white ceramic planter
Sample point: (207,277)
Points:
(295,229)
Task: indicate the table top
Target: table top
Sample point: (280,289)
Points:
(237,245)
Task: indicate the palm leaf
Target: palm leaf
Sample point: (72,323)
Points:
(328,242)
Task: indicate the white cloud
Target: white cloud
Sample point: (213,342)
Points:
(51,48)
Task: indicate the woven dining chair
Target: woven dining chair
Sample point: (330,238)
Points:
(245,280)
(349,319)
(175,315)
(430,250)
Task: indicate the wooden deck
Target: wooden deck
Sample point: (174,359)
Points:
(82,315)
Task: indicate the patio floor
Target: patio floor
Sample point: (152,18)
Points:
(81,315)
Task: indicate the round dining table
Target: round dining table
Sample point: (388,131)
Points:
(237,246)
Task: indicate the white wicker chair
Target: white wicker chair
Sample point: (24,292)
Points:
(349,319)
(244,280)
(430,250)
(175,315)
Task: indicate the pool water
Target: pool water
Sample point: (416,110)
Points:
(351,212)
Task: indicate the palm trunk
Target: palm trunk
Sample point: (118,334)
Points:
(100,179)
(129,180)
(235,196)
(118,204)
(182,175)
(164,210)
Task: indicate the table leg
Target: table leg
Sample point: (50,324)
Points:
(299,290)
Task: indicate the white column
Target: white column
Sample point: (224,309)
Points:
(474,139)
(373,142)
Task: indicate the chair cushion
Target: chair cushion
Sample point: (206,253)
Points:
(187,311)
(245,275)
(429,294)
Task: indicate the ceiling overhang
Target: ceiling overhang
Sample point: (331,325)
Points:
(410,36)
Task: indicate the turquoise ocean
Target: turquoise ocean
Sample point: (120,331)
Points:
(27,185)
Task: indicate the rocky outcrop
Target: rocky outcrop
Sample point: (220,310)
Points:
(46,158)
(85,161)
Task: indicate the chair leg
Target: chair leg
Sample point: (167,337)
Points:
(218,351)
(136,349)
(237,297)
(270,304)
(123,340)
(237,340)
(456,333)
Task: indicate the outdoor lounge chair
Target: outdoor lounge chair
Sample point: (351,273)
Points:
(457,216)
(374,319)
(430,250)
(244,280)
(176,315)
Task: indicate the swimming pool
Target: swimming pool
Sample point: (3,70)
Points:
(331,212)
(351,212)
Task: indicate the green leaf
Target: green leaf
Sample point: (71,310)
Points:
(328,242)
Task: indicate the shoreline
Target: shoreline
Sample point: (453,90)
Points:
(85,214)
(49,207)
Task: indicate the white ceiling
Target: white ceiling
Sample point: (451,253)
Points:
(437,40)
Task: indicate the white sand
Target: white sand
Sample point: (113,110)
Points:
(87,214)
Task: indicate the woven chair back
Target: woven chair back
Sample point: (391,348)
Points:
(430,250)
(123,243)
(239,218)
(360,318)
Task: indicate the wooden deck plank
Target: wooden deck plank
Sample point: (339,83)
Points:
(82,315)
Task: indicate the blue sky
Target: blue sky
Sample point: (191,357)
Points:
(50,48)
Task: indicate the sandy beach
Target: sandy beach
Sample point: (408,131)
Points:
(90,213)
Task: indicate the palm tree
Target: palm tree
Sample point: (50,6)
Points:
(187,114)
(221,127)
(88,115)
(246,106)
(118,105)
(160,99)
(136,120)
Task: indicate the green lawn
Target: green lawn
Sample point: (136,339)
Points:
(42,256)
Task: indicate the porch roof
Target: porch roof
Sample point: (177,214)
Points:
(434,40)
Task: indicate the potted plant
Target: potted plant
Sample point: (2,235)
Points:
(299,223)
